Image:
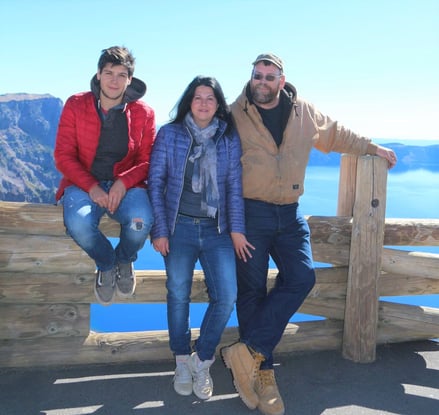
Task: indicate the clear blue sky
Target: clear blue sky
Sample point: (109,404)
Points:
(372,65)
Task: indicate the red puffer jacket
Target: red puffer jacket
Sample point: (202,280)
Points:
(78,138)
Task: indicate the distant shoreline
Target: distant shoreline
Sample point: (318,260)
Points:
(407,142)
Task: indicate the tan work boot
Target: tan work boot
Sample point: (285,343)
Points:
(270,401)
(245,367)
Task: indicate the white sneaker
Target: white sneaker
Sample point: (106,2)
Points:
(202,384)
(183,375)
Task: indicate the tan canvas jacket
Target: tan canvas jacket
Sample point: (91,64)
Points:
(276,175)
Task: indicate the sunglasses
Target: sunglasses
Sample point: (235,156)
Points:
(270,77)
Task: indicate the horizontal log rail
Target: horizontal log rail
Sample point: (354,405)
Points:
(40,219)
(46,288)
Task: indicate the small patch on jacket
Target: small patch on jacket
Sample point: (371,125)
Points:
(296,186)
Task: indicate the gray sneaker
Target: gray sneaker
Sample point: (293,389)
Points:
(105,286)
(183,376)
(202,381)
(126,280)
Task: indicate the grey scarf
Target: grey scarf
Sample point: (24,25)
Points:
(204,158)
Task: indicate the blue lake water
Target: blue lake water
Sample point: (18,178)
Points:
(413,194)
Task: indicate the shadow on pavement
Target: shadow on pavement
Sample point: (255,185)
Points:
(404,379)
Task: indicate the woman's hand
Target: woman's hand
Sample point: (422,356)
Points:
(161,245)
(241,245)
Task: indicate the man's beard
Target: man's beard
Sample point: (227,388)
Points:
(269,95)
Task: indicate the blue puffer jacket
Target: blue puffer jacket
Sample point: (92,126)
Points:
(169,156)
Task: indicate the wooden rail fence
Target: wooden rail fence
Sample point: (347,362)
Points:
(46,283)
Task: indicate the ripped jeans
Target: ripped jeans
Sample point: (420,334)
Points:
(82,217)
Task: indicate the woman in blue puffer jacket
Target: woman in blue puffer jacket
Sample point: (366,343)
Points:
(195,187)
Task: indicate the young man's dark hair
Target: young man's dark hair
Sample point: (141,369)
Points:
(117,55)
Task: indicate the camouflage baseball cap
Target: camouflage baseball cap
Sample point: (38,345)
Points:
(270,57)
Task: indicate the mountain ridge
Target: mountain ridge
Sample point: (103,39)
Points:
(28,125)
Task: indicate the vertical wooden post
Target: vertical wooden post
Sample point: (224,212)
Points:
(361,312)
(346,185)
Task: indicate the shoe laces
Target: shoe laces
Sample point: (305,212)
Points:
(104,276)
(183,373)
(125,271)
(258,358)
(266,378)
(202,377)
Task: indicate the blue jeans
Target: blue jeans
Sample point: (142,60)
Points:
(195,239)
(82,217)
(279,231)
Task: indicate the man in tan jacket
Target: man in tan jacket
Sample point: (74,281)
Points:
(278,131)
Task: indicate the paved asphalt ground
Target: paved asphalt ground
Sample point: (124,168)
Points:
(404,379)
